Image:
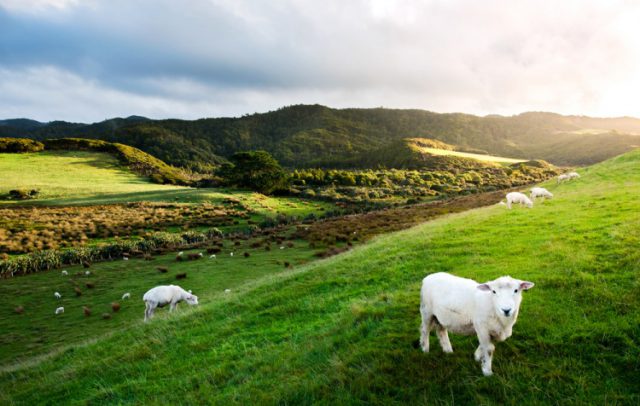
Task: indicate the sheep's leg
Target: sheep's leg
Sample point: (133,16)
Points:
(484,353)
(425,328)
(148,311)
(172,306)
(509,204)
(443,336)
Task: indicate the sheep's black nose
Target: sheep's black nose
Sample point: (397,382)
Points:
(506,311)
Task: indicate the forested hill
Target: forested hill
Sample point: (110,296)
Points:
(314,135)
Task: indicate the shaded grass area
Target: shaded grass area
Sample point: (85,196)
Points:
(341,330)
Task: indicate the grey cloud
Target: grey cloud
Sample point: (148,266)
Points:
(210,57)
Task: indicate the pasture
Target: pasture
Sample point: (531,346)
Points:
(343,330)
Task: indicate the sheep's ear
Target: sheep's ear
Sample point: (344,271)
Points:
(525,285)
(484,287)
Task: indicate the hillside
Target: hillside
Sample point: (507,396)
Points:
(341,330)
(72,176)
(314,135)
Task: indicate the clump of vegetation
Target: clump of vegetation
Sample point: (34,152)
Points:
(14,145)
(27,229)
(389,185)
(256,170)
(51,259)
(21,194)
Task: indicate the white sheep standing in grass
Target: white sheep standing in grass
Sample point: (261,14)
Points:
(573,175)
(126,296)
(517,197)
(60,310)
(562,178)
(65,273)
(161,296)
(540,192)
(57,295)
(464,306)
(212,256)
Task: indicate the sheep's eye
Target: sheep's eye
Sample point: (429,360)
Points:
(494,292)
(515,291)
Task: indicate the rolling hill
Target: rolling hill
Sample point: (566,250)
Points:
(314,135)
(341,330)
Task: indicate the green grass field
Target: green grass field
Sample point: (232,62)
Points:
(342,330)
(479,157)
(87,178)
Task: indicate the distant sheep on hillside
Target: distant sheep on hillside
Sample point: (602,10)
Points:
(540,192)
(489,310)
(517,197)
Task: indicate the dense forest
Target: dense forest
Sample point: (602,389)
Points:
(305,136)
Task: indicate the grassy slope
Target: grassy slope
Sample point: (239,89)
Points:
(342,329)
(79,177)
(479,157)
(62,175)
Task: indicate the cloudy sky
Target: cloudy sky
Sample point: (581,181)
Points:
(87,60)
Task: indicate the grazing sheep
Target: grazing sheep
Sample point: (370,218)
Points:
(200,254)
(57,295)
(563,178)
(281,247)
(161,296)
(126,296)
(212,256)
(86,311)
(125,258)
(517,197)
(489,310)
(87,273)
(64,273)
(540,192)
(231,254)
(19,310)
(181,253)
(60,310)
(227,291)
(182,275)
(573,175)
(115,306)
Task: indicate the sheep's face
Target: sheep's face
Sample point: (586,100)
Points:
(192,300)
(506,295)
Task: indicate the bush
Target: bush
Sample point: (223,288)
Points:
(13,145)
(21,194)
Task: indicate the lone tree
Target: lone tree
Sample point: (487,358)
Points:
(256,170)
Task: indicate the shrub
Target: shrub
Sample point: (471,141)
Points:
(20,145)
